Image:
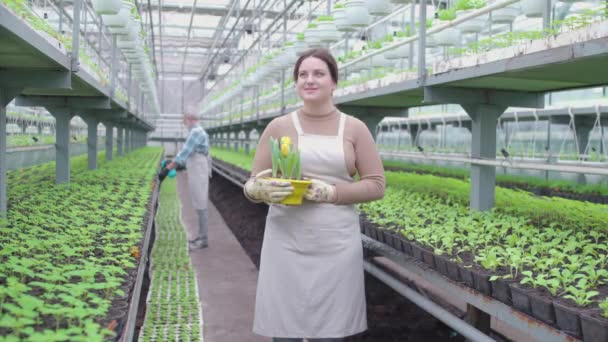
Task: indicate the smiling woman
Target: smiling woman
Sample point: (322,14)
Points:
(315,247)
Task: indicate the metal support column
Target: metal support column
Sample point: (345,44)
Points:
(113,68)
(483,145)
(4,100)
(119,140)
(109,140)
(422,43)
(63,116)
(127,140)
(92,123)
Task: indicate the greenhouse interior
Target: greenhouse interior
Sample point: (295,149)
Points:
(134,205)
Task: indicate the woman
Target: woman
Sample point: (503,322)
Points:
(311,273)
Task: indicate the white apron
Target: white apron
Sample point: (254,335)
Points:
(197,167)
(311,283)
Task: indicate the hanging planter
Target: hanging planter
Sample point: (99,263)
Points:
(121,19)
(378,7)
(449,36)
(356,13)
(506,14)
(533,8)
(473,25)
(300,44)
(339,14)
(107,6)
(326,29)
(402,51)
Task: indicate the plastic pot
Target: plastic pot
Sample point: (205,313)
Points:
(542,307)
(594,326)
(417,252)
(356,13)
(567,318)
(502,291)
(441,265)
(428,257)
(406,246)
(466,276)
(453,270)
(327,32)
(506,14)
(481,280)
(399,52)
(121,19)
(473,25)
(312,37)
(340,20)
(521,300)
(107,6)
(448,37)
(378,7)
(533,8)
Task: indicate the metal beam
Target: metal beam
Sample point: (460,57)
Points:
(39,79)
(73,102)
(216,10)
(436,95)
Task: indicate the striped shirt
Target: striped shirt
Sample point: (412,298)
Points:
(197,141)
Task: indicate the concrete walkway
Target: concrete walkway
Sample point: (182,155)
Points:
(226,277)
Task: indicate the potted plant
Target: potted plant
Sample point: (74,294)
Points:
(286,166)
(327,29)
(402,51)
(339,13)
(378,7)
(533,8)
(449,36)
(107,6)
(356,13)
(312,35)
(464,7)
(300,44)
(120,19)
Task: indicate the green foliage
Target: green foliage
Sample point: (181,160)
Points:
(239,159)
(173,311)
(447,14)
(464,5)
(604,306)
(69,245)
(325,18)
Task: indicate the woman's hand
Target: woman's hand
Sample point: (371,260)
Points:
(320,191)
(259,189)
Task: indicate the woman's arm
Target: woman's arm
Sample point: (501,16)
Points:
(369,166)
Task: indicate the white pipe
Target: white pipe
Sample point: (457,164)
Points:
(603,171)
(465,329)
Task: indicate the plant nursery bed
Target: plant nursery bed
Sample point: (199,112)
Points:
(70,253)
(534,189)
(391,317)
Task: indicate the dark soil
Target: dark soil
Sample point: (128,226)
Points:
(391,317)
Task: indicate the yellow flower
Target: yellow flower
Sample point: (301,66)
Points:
(285,150)
(285,146)
(285,140)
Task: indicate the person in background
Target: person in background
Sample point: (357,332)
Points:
(311,280)
(194,155)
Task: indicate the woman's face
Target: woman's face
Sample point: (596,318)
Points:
(314,81)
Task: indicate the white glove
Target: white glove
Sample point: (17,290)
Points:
(259,189)
(320,191)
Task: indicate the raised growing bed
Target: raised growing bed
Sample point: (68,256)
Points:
(413,204)
(549,263)
(70,253)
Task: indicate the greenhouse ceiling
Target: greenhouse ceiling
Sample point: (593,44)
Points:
(198,40)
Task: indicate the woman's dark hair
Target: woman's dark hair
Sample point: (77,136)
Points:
(322,54)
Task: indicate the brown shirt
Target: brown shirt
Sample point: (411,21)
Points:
(359,150)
